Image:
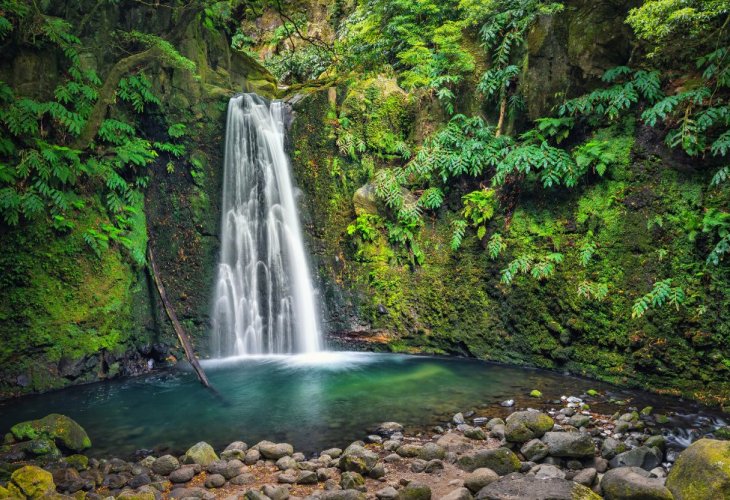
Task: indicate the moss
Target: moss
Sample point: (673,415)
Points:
(31,482)
(701,471)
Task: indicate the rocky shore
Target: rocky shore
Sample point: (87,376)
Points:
(567,452)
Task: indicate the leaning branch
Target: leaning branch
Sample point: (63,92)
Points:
(107,93)
(184,339)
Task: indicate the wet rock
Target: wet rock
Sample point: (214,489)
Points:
(633,483)
(274,451)
(500,460)
(374,438)
(523,426)
(517,486)
(351,481)
(534,450)
(183,474)
(115,481)
(201,453)
(215,481)
(480,478)
(701,471)
(656,442)
(579,421)
(569,444)
(458,419)
(458,494)
(495,421)
(415,490)
(387,429)
(643,456)
(508,403)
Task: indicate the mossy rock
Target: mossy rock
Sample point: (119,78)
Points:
(59,428)
(31,482)
(78,462)
(201,453)
(701,471)
(523,426)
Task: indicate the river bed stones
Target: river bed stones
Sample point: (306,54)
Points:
(627,483)
(517,486)
(500,460)
(480,478)
(274,451)
(569,444)
(200,453)
(523,426)
(165,465)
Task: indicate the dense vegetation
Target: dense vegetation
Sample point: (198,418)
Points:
(587,228)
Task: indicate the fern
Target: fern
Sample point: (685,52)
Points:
(495,246)
(457,236)
(592,291)
(662,293)
(587,250)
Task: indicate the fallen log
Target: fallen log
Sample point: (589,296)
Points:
(184,339)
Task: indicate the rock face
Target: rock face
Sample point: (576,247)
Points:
(632,483)
(701,471)
(59,428)
(522,426)
(569,444)
(500,460)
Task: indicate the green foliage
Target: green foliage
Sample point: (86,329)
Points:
(137,90)
(479,208)
(495,245)
(587,250)
(662,293)
(539,268)
(168,52)
(592,291)
(365,226)
(717,223)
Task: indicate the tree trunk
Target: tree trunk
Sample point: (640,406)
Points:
(502,113)
(184,339)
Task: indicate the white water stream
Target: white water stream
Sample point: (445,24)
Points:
(264,299)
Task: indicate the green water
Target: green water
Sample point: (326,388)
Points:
(312,402)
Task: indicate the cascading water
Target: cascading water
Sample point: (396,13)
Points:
(264,299)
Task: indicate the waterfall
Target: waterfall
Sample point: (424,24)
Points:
(264,298)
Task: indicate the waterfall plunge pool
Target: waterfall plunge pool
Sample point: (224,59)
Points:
(316,401)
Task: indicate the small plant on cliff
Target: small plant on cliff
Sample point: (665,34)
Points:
(661,293)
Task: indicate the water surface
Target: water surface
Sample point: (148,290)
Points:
(313,401)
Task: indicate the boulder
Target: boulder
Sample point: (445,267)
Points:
(387,493)
(358,459)
(569,444)
(523,426)
(547,471)
(633,483)
(612,447)
(183,474)
(534,450)
(201,453)
(351,481)
(701,471)
(31,482)
(500,460)
(645,457)
(215,481)
(475,433)
(365,200)
(458,494)
(432,451)
(415,490)
(307,477)
(517,486)
(165,465)
(274,451)
(275,492)
(58,428)
(479,479)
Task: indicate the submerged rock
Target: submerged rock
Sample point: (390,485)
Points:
(59,428)
(701,471)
